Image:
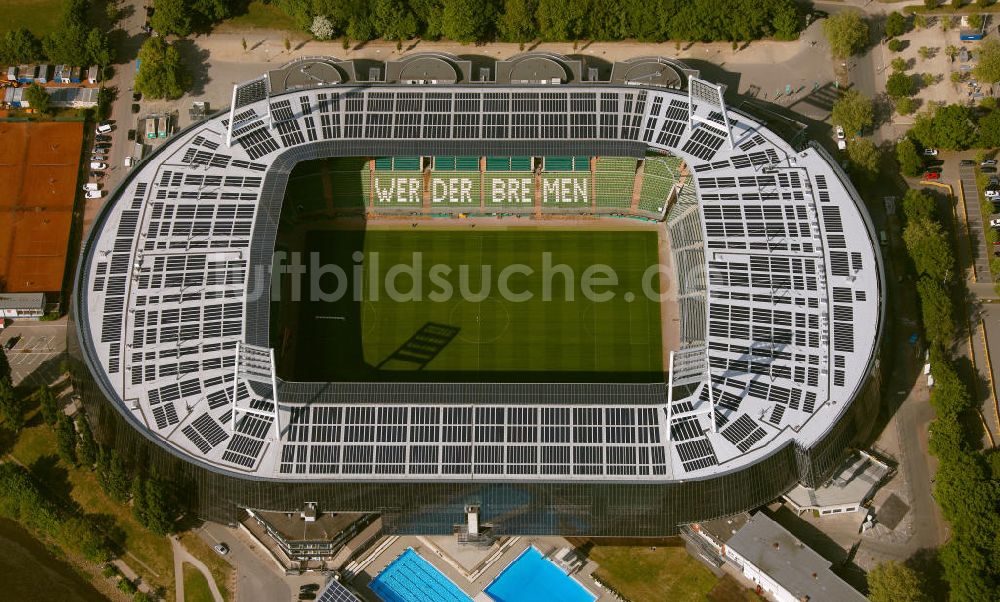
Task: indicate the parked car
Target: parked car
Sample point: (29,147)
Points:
(988,169)
(995,222)
(992,194)
(101,148)
(101,157)
(91,186)
(994,182)
(989,163)
(103,127)
(932,175)
(98,165)
(930,152)
(94,194)
(97,174)
(309,587)
(11,342)
(102,138)
(966,162)
(221,549)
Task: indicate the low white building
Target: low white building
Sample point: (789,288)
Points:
(22,305)
(847,491)
(783,567)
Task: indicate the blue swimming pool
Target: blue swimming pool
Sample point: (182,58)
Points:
(410,578)
(533,578)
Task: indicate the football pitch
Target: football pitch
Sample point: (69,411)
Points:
(514,305)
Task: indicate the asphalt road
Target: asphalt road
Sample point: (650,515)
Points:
(257,580)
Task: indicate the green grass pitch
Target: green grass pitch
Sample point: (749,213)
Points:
(465,338)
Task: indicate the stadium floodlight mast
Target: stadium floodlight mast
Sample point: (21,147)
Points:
(255,364)
(707,106)
(247,93)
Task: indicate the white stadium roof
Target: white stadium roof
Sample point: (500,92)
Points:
(780,297)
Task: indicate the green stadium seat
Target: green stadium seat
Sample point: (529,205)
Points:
(565,190)
(615,181)
(581,163)
(497,163)
(520,163)
(558,163)
(406,163)
(444,163)
(660,173)
(467,163)
(383,163)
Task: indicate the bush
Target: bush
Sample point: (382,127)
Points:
(162,74)
(910,162)
(895,24)
(906,105)
(847,33)
(896,45)
(898,64)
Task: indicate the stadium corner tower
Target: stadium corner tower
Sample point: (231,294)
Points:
(778,279)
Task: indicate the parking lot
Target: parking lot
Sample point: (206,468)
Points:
(35,357)
(977,229)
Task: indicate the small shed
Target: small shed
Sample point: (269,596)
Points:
(12,73)
(26,73)
(74,75)
(17,98)
(22,305)
(8,96)
(42,77)
(92,74)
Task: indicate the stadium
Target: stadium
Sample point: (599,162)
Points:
(753,366)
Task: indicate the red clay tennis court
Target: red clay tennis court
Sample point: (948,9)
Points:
(39,165)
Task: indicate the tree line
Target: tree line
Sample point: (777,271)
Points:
(967,483)
(73,42)
(510,20)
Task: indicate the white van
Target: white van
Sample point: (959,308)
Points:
(90,186)
(103,128)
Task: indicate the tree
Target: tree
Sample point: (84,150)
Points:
(138,494)
(562,20)
(112,476)
(919,21)
(392,20)
(19,46)
(864,157)
(906,105)
(949,127)
(97,48)
(853,111)
(172,17)
(847,33)
(895,24)
(976,21)
(468,20)
(931,4)
(37,97)
(48,403)
(87,448)
(4,367)
(894,582)
(896,45)
(517,20)
(910,162)
(988,68)
(899,85)
(936,308)
(989,130)
(160,507)
(11,407)
(928,247)
(322,29)
(162,73)
(898,64)
(787,22)
(81,534)
(924,52)
(66,439)
(919,206)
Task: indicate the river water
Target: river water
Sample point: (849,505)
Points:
(30,573)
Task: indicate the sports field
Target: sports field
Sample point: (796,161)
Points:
(472,317)
(39,167)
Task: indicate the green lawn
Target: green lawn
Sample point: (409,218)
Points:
(149,554)
(40,16)
(478,332)
(261,16)
(195,586)
(641,573)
